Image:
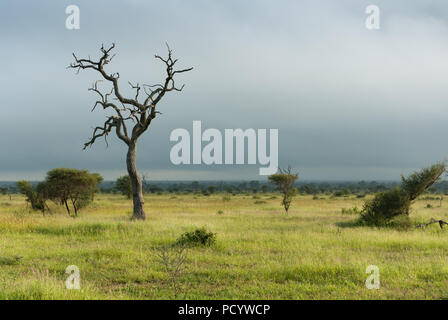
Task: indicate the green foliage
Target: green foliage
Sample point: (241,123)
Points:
(64,186)
(387,205)
(284,181)
(34,197)
(211,189)
(198,237)
(420,181)
(384,206)
(341,193)
(124,186)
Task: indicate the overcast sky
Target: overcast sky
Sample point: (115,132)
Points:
(349,103)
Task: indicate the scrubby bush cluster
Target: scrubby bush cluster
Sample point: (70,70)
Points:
(396,203)
(198,237)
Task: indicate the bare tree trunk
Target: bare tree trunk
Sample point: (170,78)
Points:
(136,182)
(67,207)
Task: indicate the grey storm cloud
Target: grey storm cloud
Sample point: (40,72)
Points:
(349,103)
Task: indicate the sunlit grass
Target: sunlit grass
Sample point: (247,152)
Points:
(261,253)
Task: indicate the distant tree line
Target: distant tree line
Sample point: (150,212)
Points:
(336,189)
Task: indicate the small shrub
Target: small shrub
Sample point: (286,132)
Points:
(220,212)
(385,206)
(340,193)
(198,237)
(315,197)
(400,222)
(360,196)
(225,198)
(259,202)
(429,206)
(172,261)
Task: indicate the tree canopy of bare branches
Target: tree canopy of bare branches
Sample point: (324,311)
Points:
(131,115)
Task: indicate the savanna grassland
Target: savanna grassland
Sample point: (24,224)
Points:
(314,252)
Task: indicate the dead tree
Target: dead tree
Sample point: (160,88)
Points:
(424,225)
(137,111)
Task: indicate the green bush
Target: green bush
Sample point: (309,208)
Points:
(385,206)
(198,237)
(401,222)
(394,203)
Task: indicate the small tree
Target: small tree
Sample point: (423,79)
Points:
(35,198)
(124,186)
(390,204)
(70,186)
(284,181)
(211,189)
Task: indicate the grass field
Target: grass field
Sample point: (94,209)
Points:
(314,252)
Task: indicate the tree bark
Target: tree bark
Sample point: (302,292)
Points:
(67,207)
(136,182)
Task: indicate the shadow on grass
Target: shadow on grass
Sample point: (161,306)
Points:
(395,224)
(350,224)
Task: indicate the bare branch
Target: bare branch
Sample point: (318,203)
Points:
(140,113)
(440,222)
